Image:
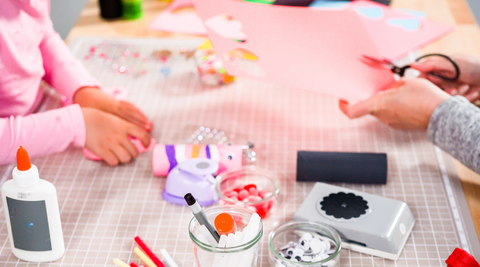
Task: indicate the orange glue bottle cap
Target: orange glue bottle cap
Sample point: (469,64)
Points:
(23,162)
(25,174)
(225,224)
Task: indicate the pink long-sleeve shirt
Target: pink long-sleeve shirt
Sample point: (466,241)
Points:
(30,50)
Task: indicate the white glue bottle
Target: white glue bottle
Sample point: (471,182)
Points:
(32,214)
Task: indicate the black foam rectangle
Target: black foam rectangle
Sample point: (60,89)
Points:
(293,2)
(341,167)
(307,3)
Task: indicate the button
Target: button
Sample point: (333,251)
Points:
(402,229)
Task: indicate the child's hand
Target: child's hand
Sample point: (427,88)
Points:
(96,98)
(407,105)
(467,85)
(108,136)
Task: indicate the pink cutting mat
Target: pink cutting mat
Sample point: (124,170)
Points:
(103,208)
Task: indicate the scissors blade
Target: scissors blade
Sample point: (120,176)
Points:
(385,63)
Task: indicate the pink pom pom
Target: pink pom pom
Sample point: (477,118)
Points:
(238,189)
(243,194)
(254,198)
(248,186)
(227,193)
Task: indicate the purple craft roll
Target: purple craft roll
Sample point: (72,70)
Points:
(166,157)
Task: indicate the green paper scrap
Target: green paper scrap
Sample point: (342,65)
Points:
(266,2)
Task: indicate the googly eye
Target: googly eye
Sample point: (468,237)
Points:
(317,246)
(307,236)
(320,257)
(306,258)
(305,244)
(298,251)
(230,156)
(287,246)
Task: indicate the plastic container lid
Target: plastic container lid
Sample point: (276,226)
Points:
(461,258)
(225,224)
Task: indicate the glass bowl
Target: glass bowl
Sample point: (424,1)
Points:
(292,244)
(208,255)
(251,187)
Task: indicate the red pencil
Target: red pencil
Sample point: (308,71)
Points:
(148,252)
(132,264)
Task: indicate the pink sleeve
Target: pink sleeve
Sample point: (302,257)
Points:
(62,70)
(41,133)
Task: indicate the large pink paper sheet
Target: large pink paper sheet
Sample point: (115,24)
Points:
(395,32)
(392,41)
(298,47)
(186,23)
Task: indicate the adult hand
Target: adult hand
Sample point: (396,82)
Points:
(95,98)
(108,136)
(409,104)
(467,85)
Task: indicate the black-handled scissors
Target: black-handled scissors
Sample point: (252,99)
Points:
(401,70)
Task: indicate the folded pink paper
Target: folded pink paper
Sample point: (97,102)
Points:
(395,32)
(297,47)
(186,23)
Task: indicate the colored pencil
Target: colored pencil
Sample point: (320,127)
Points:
(167,258)
(144,257)
(120,263)
(149,252)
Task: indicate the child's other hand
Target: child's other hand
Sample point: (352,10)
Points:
(96,98)
(108,136)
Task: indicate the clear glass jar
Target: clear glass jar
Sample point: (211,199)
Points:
(291,233)
(244,255)
(248,175)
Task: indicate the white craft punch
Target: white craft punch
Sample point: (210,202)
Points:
(367,223)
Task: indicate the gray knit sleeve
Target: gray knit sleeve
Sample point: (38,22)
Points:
(455,128)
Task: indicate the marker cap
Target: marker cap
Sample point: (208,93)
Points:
(461,258)
(225,224)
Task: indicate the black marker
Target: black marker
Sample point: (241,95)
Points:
(200,215)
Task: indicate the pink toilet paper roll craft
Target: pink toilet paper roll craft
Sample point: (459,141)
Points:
(166,157)
(136,142)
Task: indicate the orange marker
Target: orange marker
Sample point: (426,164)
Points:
(225,224)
